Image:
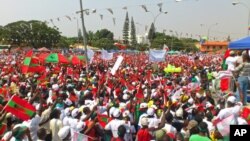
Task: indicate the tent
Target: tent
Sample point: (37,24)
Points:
(243,43)
(43,49)
(172,52)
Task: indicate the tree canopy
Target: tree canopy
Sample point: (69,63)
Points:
(29,33)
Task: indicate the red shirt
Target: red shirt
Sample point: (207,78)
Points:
(144,135)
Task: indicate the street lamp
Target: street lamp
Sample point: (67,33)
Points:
(155,17)
(248,8)
(208,32)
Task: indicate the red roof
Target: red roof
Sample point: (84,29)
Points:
(215,43)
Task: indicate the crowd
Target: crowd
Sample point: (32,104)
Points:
(139,102)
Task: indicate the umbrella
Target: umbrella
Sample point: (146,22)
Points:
(77,59)
(53,58)
(44,49)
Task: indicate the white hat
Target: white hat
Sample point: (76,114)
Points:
(111,110)
(86,92)
(179,113)
(231,99)
(55,87)
(190,100)
(67,111)
(116,113)
(37,107)
(83,117)
(75,112)
(198,95)
(125,91)
(122,105)
(150,111)
(80,79)
(64,132)
(68,102)
(144,121)
(153,90)
(209,105)
(143,105)
(231,52)
(125,113)
(133,83)
(125,97)
(80,126)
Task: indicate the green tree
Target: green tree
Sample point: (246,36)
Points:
(104,33)
(126,30)
(104,43)
(158,41)
(151,33)
(30,33)
(133,34)
(64,42)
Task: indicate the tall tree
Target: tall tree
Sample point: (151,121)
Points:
(151,33)
(133,34)
(126,30)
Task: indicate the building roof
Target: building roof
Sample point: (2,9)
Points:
(215,43)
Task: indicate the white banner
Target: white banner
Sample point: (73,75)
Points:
(157,55)
(117,65)
(106,56)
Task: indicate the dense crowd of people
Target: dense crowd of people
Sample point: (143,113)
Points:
(139,102)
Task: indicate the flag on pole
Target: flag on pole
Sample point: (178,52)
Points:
(105,55)
(31,64)
(157,55)
(79,137)
(20,108)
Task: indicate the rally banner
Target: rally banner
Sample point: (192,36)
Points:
(117,65)
(105,55)
(157,55)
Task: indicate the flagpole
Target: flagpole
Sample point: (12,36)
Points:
(84,36)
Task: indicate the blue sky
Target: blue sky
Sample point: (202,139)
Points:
(183,17)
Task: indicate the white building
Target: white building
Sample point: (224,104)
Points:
(142,39)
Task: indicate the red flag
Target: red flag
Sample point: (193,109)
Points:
(224,84)
(20,108)
(29,53)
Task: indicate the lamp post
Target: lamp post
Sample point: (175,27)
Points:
(155,17)
(84,35)
(248,8)
(210,27)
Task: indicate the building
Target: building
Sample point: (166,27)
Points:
(214,47)
(142,39)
